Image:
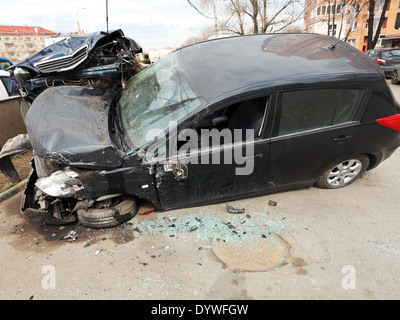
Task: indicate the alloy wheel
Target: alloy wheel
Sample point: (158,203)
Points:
(344,173)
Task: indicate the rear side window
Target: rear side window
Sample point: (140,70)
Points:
(312,109)
(391,53)
(348,103)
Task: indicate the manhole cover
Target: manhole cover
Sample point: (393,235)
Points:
(250,252)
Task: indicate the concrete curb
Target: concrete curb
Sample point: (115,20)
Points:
(12,191)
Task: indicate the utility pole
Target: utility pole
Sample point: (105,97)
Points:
(107,14)
(77,20)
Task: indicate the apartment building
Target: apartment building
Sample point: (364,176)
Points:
(351,17)
(19,42)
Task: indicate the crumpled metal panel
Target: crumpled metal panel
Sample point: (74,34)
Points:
(69,125)
(68,47)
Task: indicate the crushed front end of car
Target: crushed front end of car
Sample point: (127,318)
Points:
(75,80)
(77,167)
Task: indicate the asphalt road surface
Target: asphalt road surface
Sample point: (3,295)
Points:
(303,244)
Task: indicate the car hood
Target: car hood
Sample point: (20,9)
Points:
(69,125)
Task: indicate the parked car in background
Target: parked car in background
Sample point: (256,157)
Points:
(395,75)
(322,116)
(5,63)
(387,58)
(4,83)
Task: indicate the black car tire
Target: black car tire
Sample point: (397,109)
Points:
(395,77)
(343,172)
(112,216)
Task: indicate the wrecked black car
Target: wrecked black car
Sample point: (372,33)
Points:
(215,121)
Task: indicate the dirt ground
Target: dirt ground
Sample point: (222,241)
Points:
(304,244)
(314,244)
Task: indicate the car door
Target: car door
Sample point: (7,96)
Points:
(313,129)
(216,173)
(392,58)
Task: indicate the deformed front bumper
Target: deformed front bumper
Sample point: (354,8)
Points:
(32,210)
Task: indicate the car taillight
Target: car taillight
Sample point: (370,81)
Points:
(380,61)
(392,122)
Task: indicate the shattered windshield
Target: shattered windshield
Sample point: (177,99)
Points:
(155,98)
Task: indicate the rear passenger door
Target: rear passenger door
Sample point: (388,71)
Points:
(392,57)
(313,128)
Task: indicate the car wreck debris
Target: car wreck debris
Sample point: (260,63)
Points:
(99,59)
(272,203)
(231,209)
(71,236)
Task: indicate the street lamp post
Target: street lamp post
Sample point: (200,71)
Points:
(77,20)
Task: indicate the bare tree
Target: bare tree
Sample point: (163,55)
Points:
(357,6)
(252,16)
(373,5)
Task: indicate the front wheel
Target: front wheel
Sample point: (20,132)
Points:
(395,77)
(343,173)
(109,214)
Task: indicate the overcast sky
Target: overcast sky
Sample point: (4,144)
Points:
(152,23)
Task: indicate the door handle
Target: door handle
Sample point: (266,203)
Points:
(342,138)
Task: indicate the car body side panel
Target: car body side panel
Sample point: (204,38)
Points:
(374,139)
(299,159)
(208,180)
(132,178)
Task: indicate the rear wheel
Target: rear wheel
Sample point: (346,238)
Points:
(343,173)
(395,77)
(110,213)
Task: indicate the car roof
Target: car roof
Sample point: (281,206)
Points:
(221,67)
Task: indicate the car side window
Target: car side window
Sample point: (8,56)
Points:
(318,108)
(391,53)
(236,120)
(348,102)
(10,86)
(227,126)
